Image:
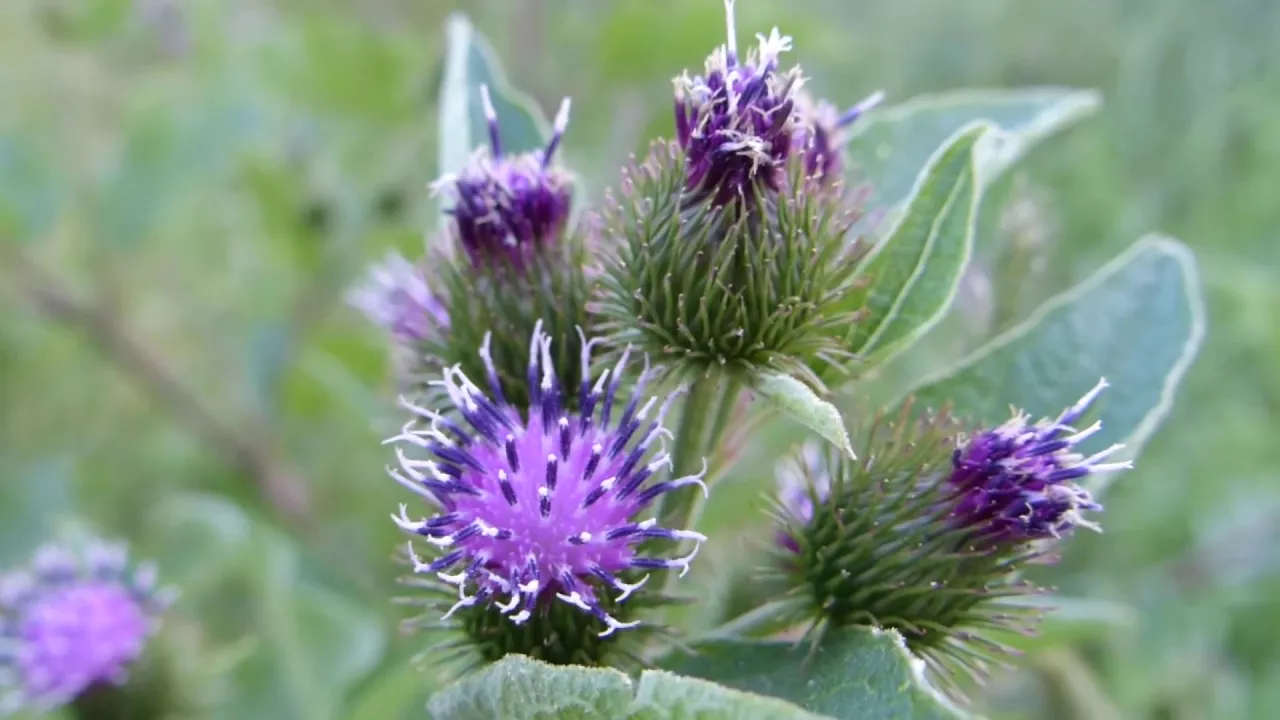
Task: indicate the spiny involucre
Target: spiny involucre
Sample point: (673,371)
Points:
(539,507)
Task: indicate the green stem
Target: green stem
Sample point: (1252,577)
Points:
(768,619)
(703,419)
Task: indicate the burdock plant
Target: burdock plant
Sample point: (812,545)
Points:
(579,388)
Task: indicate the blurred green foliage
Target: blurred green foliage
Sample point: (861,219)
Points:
(186,187)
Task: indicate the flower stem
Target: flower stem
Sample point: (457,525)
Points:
(704,418)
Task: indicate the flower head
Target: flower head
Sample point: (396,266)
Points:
(542,507)
(1016,481)
(819,133)
(395,296)
(736,122)
(72,622)
(508,207)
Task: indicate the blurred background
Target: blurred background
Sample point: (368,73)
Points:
(186,186)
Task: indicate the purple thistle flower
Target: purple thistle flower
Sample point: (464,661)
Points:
(736,123)
(820,133)
(69,623)
(802,478)
(508,207)
(1015,482)
(541,508)
(394,295)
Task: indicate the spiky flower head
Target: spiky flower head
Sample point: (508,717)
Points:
(1016,483)
(506,208)
(706,289)
(895,539)
(73,622)
(735,123)
(395,296)
(820,133)
(539,511)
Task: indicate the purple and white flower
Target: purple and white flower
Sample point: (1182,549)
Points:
(506,208)
(542,506)
(72,621)
(395,296)
(1016,482)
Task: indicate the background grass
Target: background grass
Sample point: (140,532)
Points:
(185,187)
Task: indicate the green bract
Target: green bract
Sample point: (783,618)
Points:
(702,287)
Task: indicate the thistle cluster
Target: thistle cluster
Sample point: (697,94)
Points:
(926,532)
(73,625)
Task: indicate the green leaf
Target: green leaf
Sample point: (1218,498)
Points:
(889,146)
(165,157)
(246,579)
(797,401)
(1138,322)
(855,674)
(33,498)
(30,197)
(519,688)
(915,271)
(469,63)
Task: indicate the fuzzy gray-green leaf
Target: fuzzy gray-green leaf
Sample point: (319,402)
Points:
(1138,322)
(519,688)
(889,146)
(915,271)
(855,674)
(797,401)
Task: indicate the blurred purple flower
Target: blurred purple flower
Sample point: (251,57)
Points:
(819,133)
(541,508)
(736,122)
(394,295)
(1015,482)
(508,207)
(69,623)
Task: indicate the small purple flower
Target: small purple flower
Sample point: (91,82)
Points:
(1015,482)
(394,295)
(540,508)
(820,133)
(802,478)
(736,123)
(509,207)
(71,622)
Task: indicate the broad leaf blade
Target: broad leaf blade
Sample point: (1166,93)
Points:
(520,688)
(856,674)
(915,271)
(1138,322)
(797,401)
(470,62)
(889,146)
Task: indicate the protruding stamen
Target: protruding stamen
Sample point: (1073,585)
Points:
(731,44)
(513,457)
(1075,412)
(557,132)
(593,462)
(649,563)
(544,501)
(504,484)
(552,464)
(495,386)
(865,105)
(565,437)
